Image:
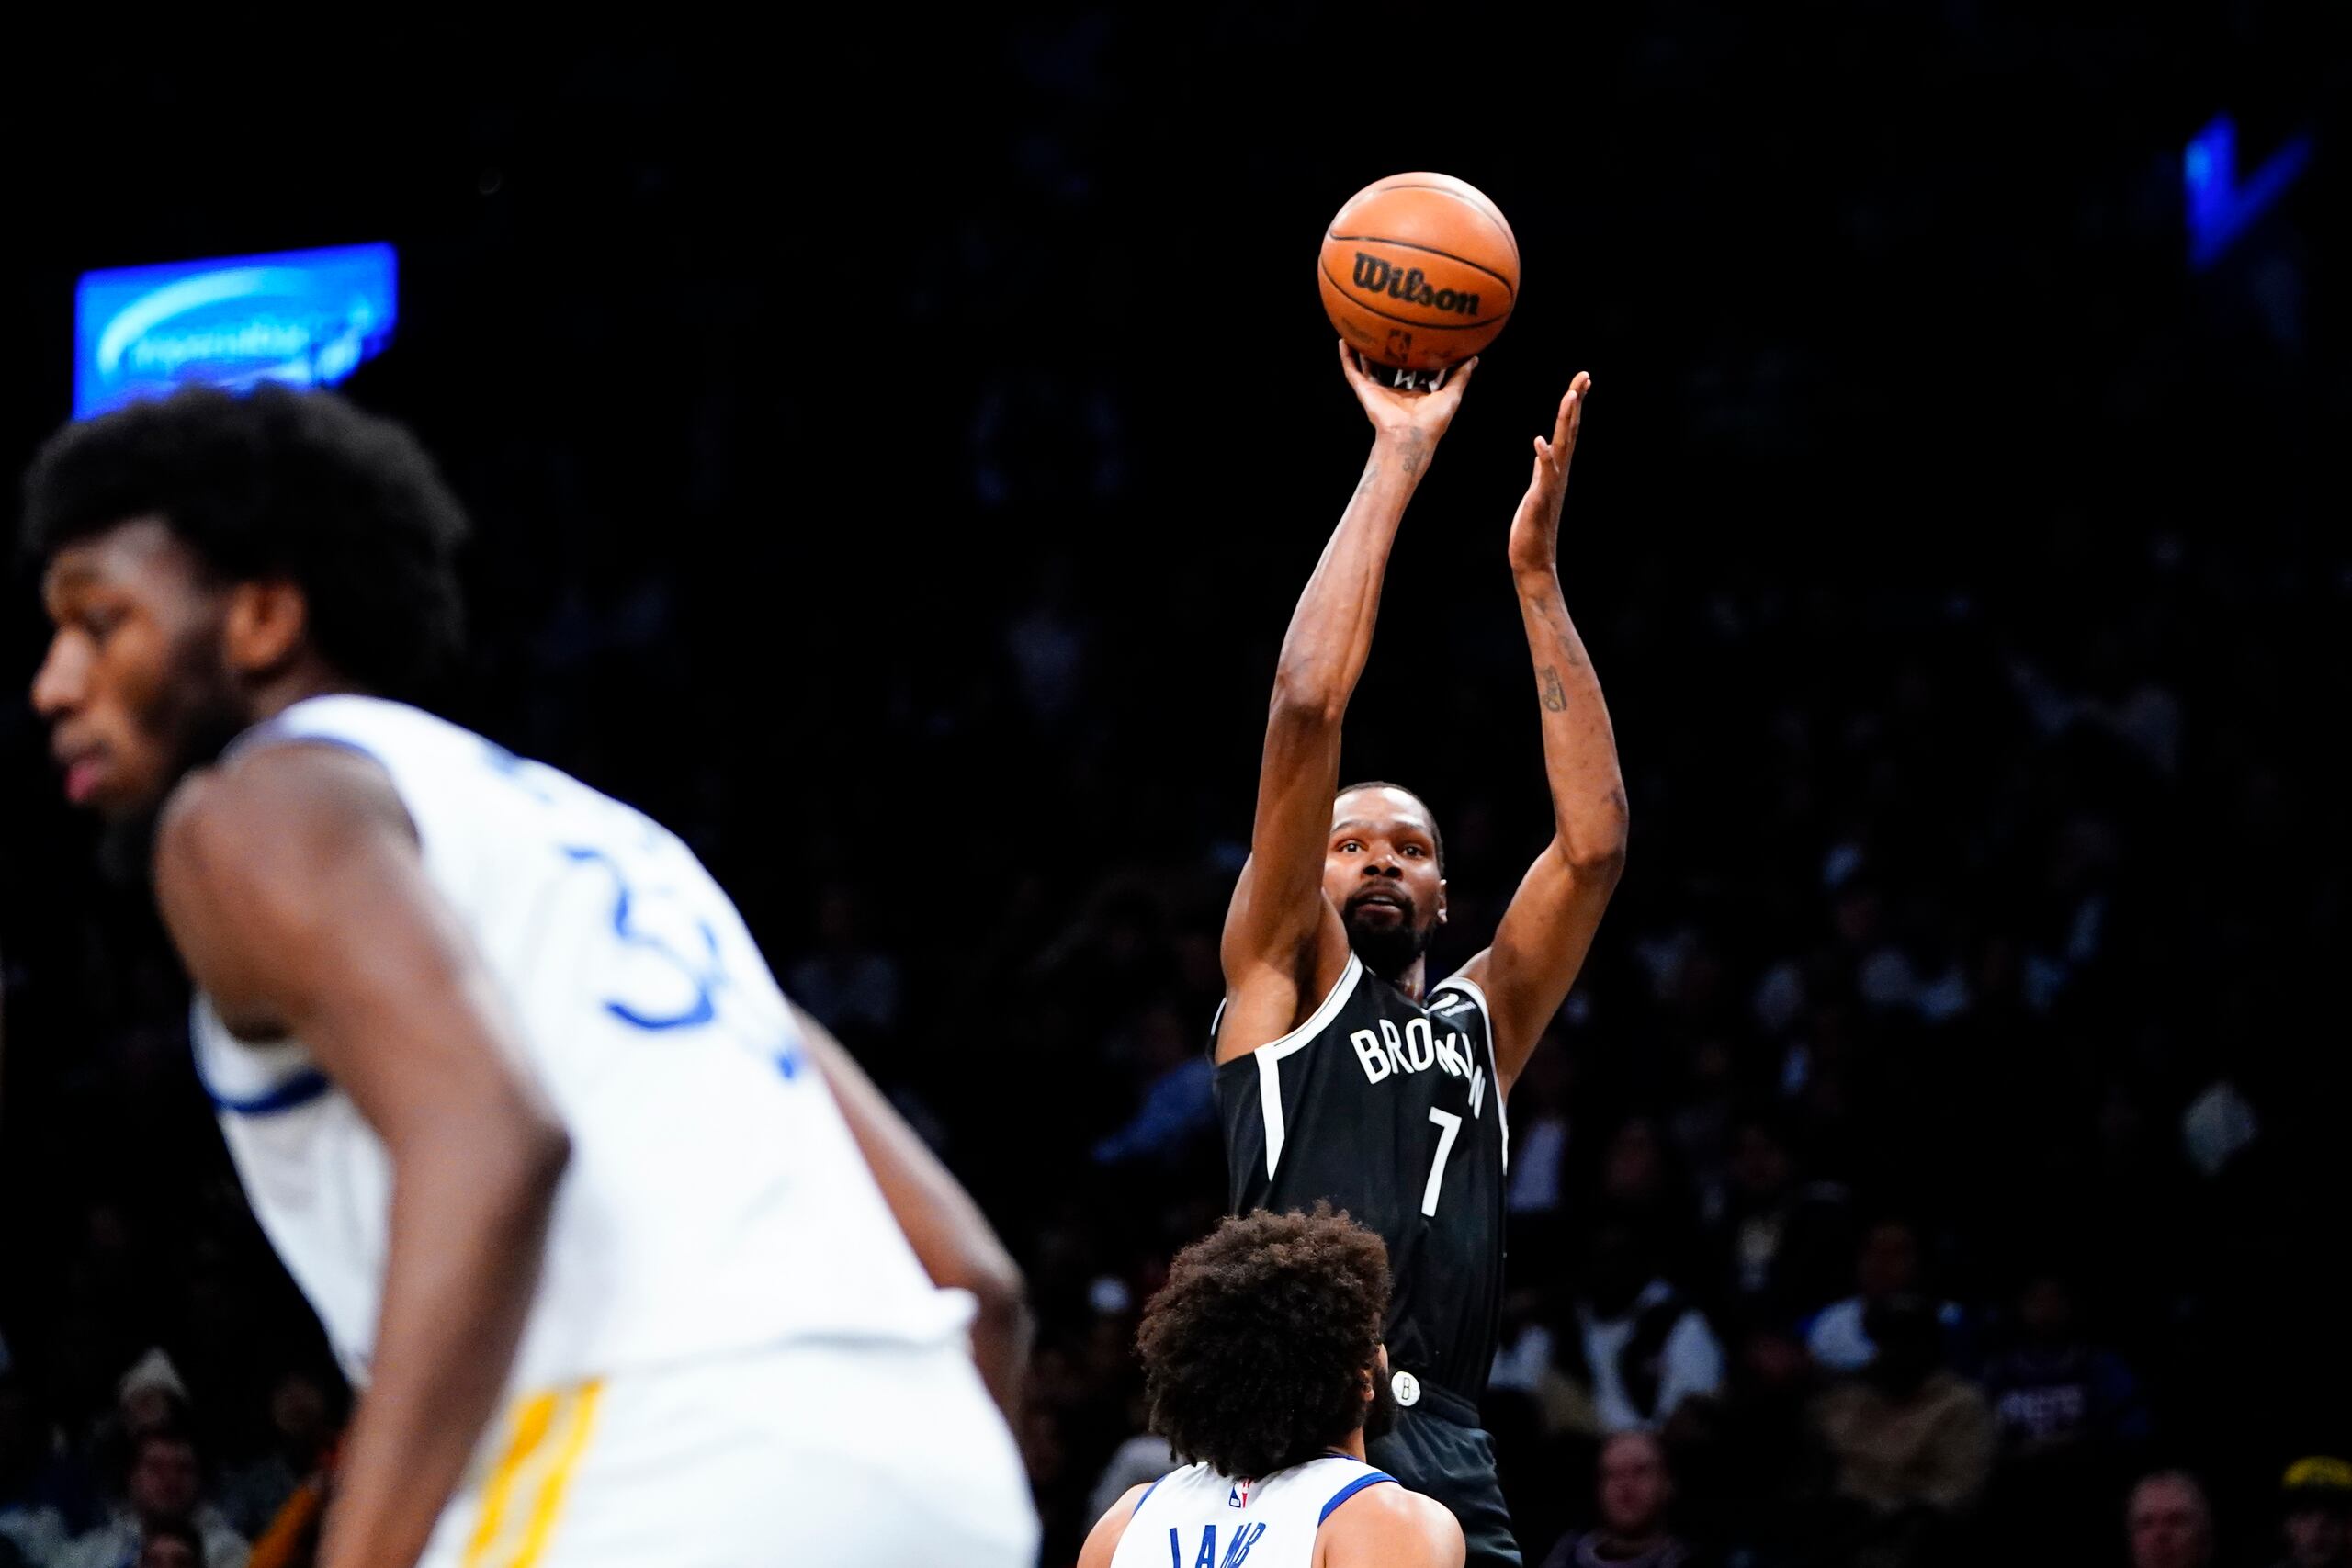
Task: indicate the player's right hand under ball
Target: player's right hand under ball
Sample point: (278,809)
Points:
(1418,418)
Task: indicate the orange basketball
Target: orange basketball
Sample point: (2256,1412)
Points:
(1418,271)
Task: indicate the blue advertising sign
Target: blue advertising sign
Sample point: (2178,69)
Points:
(2220,205)
(307,318)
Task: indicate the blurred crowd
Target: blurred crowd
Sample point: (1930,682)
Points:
(1931,1150)
(1940,1160)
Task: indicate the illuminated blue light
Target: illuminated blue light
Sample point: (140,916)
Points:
(2220,208)
(307,318)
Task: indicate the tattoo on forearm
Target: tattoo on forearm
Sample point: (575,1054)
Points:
(1411,459)
(1555,699)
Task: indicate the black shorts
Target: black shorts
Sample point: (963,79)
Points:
(1455,1464)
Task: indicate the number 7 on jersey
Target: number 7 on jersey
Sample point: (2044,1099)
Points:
(1449,1129)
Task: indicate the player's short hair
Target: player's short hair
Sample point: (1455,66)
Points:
(1255,1351)
(277,482)
(1437,840)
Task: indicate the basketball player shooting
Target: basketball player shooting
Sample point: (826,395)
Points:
(1263,1366)
(1342,1074)
(632,1263)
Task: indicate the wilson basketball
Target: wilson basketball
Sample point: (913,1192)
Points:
(1418,271)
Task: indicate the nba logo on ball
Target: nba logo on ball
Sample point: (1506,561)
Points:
(1418,271)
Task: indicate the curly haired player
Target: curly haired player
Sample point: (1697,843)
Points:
(1263,1367)
(1342,1072)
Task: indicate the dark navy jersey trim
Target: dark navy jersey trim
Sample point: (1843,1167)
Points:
(1350,1489)
(297,1091)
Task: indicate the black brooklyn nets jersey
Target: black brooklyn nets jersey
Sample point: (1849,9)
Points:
(1389,1109)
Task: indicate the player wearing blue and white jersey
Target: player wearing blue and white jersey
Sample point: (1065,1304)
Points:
(630,1262)
(1264,1366)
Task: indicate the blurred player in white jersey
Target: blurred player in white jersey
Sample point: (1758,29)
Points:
(1262,1365)
(632,1265)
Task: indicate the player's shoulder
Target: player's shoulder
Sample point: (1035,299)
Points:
(1459,991)
(1389,1524)
(1102,1541)
(1280,1007)
(274,803)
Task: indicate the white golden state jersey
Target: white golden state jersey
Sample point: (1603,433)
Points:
(715,1203)
(1194,1516)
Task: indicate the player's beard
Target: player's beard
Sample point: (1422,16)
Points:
(195,714)
(1388,949)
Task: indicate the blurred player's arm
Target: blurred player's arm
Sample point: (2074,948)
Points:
(294,887)
(1282,936)
(1545,932)
(1102,1541)
(951,1237)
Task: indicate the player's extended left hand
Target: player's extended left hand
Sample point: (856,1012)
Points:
(1535,527)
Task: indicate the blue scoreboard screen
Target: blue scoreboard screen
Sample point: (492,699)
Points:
(307,318)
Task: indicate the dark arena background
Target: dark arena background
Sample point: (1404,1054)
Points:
(895,445)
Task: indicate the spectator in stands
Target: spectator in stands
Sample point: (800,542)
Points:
(1776,1233)
(1888,1266)
(2071,1420)
(1636,1489)
(303,1418)
(1702,1122)
(1758,1200)
(1754,1468)
(1176,1089)
(1638,1187)
(1637,1344)
(1913,1443)
(2318,1499)
(165,1488)
(2053,1391)
(2170,1522)
(32,1495)
(151,1396)
(1540,1107)
(168,1545)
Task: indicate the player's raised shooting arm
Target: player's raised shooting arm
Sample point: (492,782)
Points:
(952,1239)
(1548,927)
(1278,906)
(294,886)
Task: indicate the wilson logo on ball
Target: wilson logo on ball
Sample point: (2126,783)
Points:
(1377,276)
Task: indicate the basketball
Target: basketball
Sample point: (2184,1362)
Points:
(1418,271)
